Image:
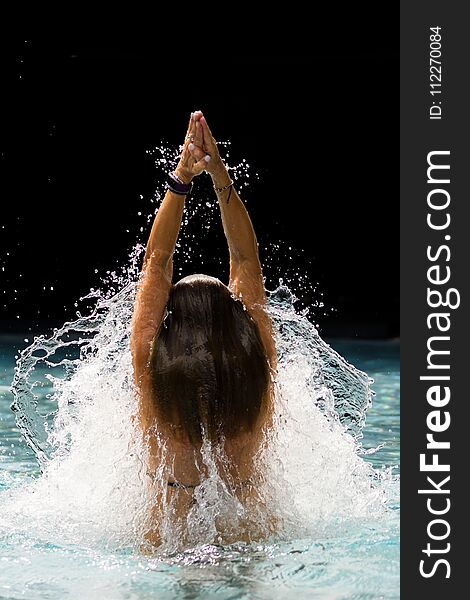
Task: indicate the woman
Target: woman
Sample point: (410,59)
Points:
(203,353)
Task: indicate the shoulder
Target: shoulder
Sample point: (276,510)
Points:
(256,308)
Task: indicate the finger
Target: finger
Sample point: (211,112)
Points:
(185,155)
(185,150)
(191,129)
(196,151)
(198,141)
(209,141)
(205,126)
(190,124)
(201,165)
(189,136)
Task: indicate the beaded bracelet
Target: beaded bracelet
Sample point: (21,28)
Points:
(222,189)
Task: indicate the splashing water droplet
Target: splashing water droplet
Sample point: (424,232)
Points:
(82,431)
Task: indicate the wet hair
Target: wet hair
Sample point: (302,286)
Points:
(209,368)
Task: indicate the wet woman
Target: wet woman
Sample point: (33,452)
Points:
(203,352)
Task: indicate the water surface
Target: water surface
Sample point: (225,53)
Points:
(351,554)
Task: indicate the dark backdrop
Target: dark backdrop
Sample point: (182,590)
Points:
(317,119)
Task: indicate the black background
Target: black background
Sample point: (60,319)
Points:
(317,118)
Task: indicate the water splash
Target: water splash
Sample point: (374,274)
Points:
(74,401)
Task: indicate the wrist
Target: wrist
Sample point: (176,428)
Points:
(220,176)
(183,175)
(176,185)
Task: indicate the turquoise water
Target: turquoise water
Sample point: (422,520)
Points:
(48,552)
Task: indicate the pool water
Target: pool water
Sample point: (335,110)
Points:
(356,558)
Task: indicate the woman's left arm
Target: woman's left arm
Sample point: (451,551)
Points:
(154,284)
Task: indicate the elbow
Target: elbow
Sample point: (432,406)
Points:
(244,252)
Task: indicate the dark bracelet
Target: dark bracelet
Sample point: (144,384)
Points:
(174,184)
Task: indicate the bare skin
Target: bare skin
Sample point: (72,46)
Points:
(200,153)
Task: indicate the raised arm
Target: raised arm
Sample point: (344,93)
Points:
(155,280)
(246,277)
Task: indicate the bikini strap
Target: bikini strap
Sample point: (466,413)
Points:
(178,484)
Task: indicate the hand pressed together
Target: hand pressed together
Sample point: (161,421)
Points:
(200,152)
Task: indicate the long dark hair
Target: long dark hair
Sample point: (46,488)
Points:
(209,367)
